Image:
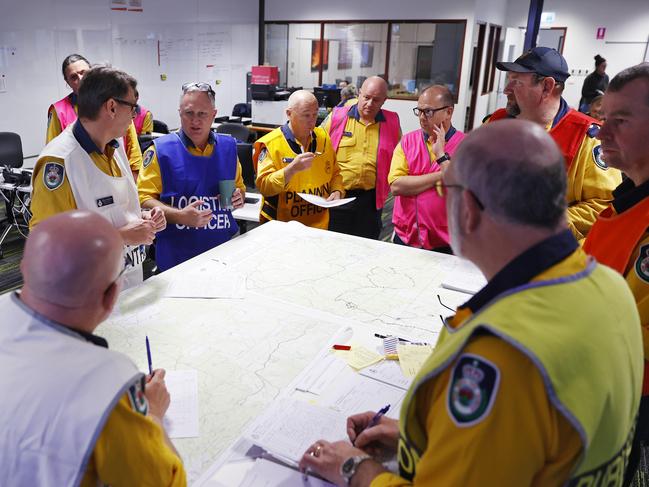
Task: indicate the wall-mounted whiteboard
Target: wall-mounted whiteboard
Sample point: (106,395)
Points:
(190,40)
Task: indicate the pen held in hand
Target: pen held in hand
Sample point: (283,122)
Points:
(148,356)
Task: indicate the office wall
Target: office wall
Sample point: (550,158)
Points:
(206,40)
(625,21)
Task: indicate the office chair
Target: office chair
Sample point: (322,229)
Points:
(244,153)
(236,130)
(242,110)
(160,127)
(15,182)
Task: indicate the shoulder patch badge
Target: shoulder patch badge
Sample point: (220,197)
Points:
(642,264)
(148,157)
(597,157)
(472,390)
(263,154)
(53,175)
(593,130)
(137,398)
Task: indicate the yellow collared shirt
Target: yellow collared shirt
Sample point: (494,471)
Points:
(356,154)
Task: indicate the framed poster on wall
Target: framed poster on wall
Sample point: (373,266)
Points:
(315,55)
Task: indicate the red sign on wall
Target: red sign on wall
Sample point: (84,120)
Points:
(601,32)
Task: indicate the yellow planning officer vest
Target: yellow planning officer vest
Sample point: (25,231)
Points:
(287,205)
(583,334)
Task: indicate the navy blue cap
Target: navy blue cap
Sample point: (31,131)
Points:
(540,60)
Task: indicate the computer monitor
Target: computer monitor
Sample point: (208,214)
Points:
(328,98)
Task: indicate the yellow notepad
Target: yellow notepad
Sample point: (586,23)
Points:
(412,357)
(359,357)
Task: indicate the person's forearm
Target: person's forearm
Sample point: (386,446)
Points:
(173,215)
(414,185)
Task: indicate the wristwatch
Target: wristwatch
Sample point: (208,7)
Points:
(349,467)
(444,158)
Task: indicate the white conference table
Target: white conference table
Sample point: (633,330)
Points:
(296,287)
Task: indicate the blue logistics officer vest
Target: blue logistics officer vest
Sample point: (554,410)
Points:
(185,179)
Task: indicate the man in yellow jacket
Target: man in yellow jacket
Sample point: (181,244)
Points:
(536,380)
(297,158)
(535,82)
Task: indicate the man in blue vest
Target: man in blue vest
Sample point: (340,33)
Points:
(536,380)
(191,175)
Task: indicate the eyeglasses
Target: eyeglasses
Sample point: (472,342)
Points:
(198,86)
(442,191)
(135,108)
(428,112)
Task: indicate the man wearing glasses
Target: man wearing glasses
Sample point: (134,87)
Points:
(74,412)
(364,136)
(194,177)
(64,112)
(535,83)
(86,166)
(419,214)
(536,379)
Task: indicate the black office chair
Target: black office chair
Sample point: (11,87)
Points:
(160,127)
(244,152)
(15,187)
(236,130)
(242,110)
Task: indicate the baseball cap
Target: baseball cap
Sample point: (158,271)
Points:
(540,60)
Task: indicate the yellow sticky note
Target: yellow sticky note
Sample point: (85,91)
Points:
(412,357)
(359,357)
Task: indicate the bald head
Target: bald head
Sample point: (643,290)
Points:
(375,84)
(516,171)
(301,97)
(371,98)
(71,259)
(302,114)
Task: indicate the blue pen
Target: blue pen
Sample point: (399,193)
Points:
(377,417)
(374,421)
(148,356)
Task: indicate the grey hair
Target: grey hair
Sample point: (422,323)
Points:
(349,92)
(445,93)
(521,181)
(192,89)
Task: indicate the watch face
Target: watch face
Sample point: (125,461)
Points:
(348,466)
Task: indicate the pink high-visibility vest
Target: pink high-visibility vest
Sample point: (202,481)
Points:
(65,112)
(420,221)
(139,120)
(388,140)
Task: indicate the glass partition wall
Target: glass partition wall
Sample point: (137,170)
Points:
(410,55)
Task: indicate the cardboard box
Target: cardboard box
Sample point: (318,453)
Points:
(265,75)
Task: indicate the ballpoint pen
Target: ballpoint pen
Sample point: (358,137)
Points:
(377,417)
(148,356)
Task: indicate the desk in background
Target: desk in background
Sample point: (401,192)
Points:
(299,285)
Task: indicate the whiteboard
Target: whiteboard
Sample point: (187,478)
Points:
(190,40)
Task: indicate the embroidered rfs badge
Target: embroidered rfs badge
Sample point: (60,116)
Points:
(137,398)
(597,157)
(53,175)
(472,389)
(148,157)
(642,264)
